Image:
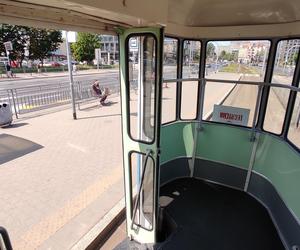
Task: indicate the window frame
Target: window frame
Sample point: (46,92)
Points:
(198,88)
(127,83)
(283,133)
(178,40)
(270,40)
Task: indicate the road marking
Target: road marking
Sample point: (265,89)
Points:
(81,149)
(22,107)
(51,224)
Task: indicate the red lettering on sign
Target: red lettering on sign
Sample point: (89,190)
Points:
(230,116)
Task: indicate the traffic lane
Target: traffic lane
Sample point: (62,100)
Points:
(107,77)
(103,76)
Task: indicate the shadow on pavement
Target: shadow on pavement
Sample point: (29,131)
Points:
(12,147)
(98,106)
(98,116)
(16,125)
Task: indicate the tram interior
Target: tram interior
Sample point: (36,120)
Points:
(208,184)
(223,185)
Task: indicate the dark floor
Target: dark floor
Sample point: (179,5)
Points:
(210,216)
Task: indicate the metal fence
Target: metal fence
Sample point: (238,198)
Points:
(33,98)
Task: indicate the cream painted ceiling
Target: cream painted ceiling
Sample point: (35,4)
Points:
(180,17)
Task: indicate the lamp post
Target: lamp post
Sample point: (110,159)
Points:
(264,60)
(287,54)
(217,58)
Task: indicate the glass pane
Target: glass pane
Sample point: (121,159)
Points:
(231,103)
(191,59)
(276,108)
(294,130)
(142,78)
(170,58)
(285,62)
(230,60)
(145,206)
(135,176)
(189,100)
(169,102)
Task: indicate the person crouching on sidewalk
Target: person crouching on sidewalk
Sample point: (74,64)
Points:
(98,92)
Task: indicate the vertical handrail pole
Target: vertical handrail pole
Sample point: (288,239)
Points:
(255,116)
(253,138)
(198,126)
(71,76)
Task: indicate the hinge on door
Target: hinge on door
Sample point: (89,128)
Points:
(158,151)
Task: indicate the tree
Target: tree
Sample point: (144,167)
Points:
(295,58)
(210,50)
(42,42)
(84,48)
(223,55)
(18,35)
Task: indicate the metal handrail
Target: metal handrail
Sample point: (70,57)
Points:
(137,201)
(297,89)
(5,238)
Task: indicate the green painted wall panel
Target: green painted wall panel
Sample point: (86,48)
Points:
(275,159)
(280,163)
(176,140)
(226,144)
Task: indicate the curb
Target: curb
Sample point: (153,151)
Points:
(99,233)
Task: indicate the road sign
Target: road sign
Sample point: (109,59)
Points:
(97,54)
(133,44)
(71,36)
(26,52)
(8,46)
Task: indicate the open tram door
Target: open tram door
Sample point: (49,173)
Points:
(141,78)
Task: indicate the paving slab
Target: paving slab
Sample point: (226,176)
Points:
(52,196)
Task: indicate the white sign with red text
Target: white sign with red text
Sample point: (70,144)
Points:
(8,46)
(232,115)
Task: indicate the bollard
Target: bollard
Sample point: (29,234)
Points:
(5,115)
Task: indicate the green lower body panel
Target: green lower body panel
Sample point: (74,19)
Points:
(223,155)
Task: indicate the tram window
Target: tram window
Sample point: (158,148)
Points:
(225,98)
(189,98)
(275,113)
(141,73)
(170,58)
(284,67)
(169,102)
(228,60)
(285,61)
(191,59)
(294,129)
(144,214)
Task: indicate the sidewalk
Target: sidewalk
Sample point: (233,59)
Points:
(51,196)
(25,76)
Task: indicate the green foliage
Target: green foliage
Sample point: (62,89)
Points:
(18,35)
(295,58)
(42,42)
(210,51)
(239,68)
(228,56)
(39,42)
(84,48)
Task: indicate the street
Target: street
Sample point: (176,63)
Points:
(105,76)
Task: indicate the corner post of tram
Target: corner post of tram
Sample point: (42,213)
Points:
(140,74)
